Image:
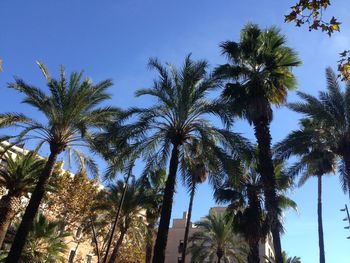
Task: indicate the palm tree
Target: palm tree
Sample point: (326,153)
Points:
(331,111)
(315,160)
(258,76)
(245,198)
(198,175)
(162,131)
(286,259)
(44,243)
(130,217)
(244,193)
(18,175)
(71,110)
(197,162)
(216,239)
(154,184)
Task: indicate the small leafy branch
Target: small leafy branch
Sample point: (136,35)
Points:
(311,12)
(344,65)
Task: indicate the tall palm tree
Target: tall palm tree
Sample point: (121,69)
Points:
(258,76)
(154,184)
(199,163)
(315,160)
(18,175)
(135,202)
(331,110)
(162,131)
(216,239)
(71,109)
(198,175)
(45,243)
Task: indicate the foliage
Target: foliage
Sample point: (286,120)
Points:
(344,65)
(311,12)
(19,172)
(131,224)
(131,253)
(243,191)
(18,175)
(330,111)
(179,117)
(258,72)
(73,199)
(286,259)
(215,237)
(154,185)
(71,109)
(310,145)
(44,243)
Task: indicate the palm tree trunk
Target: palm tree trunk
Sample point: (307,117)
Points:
(219,254)
(163,229)
(31,210)
(253,255)
(319,216)
(115,251)
(9,205)
(266,169)
(188,223)
(149,242)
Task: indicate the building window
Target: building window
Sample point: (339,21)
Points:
(89,259)
(181,246)
(179,260)
(71,256)
(78,233)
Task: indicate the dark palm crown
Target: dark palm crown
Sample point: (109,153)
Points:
(259,71)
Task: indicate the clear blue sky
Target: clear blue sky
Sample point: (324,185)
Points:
(114,39)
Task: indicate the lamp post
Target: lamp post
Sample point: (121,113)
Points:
(118,212)
(347,218)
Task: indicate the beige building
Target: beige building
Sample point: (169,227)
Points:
(177,232)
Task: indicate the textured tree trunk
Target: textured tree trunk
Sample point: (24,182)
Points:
(266,169)
(150,241)
(163,229)
(9,206)
(188,223)
(219,254)
(31,210)
(253,255)
(114,255)
(319,216)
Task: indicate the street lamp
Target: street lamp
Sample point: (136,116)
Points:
(347,218)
